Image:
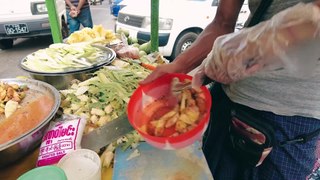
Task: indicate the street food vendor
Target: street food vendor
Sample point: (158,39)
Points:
(267,89)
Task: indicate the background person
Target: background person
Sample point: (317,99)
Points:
(78,13)
(290,102)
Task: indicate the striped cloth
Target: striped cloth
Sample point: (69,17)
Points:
(316,172)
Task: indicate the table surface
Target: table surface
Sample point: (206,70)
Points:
(27,163)
(13,171)
(152,163)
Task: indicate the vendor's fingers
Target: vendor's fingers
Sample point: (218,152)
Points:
(217,75)
(214,66)
(199,76)
(243,64)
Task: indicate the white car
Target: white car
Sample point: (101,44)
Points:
(27,18)
(180,21)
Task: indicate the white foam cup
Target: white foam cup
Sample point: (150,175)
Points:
(81,164)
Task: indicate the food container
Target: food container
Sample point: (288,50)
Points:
(62,80)
(81,164)
(23,144)
(157,90)
(45,172)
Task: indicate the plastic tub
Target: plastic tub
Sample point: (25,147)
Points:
(157,90)
(45,172)
(81,164)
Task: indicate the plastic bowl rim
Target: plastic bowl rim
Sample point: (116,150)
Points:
(203,123)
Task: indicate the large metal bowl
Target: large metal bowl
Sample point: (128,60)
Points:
(22,145)
(62,80)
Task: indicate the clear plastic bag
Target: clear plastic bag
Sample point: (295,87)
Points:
(289,40)
(124,50)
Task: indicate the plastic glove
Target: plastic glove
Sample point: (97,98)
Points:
(266,46)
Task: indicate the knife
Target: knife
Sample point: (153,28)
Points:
(107,133)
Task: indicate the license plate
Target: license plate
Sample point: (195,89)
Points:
(16,29)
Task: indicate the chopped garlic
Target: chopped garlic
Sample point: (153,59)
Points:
(81,90)
(134,154)
(107,158)
(11,107)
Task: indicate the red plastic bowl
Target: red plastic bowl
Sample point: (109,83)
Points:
(157,89)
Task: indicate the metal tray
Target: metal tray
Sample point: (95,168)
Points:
(22,145)
(108,58)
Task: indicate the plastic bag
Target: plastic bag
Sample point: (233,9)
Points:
(63,135)
(128,52)
(124,50)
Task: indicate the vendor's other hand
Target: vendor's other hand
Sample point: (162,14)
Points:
(266,46)
(229,60)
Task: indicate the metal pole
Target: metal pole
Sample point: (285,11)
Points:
(154,25)
(54,21)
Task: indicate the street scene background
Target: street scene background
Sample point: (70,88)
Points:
(23,46)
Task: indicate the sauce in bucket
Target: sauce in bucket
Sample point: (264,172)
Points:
(25,119)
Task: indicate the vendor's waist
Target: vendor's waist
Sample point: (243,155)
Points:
(279,93)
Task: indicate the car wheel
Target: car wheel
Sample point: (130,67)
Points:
(64,29)
(6,43)
(183,42)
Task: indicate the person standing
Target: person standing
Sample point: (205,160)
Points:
(78,13)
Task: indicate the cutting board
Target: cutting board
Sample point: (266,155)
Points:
(154,164)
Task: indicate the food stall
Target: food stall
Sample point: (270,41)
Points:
(106,68)
(100,94)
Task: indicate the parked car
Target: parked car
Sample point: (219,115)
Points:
(94,2)
(27,18)
(180,22)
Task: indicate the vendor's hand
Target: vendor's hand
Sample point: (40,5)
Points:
(162,70)
(265,46)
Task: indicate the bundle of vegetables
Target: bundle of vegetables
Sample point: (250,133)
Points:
(103,97)
(61,57)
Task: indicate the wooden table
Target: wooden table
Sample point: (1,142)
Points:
(13,171)
(27,163)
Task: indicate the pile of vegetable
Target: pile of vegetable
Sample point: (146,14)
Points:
(97,34)
(62,57)
(103,98)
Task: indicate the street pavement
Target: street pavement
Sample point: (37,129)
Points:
(11,58)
